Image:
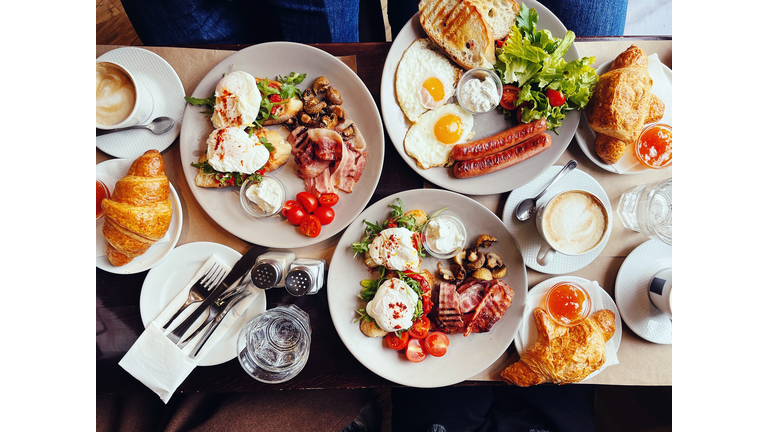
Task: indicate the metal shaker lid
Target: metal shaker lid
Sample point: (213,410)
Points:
(266,274)
(299,281)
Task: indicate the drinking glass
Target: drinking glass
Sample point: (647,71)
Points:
(273,347)
(647,209)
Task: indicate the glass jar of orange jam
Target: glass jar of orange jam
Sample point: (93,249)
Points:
(568,303)
(654,146)
(102,192)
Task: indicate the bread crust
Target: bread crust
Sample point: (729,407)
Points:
(458,28)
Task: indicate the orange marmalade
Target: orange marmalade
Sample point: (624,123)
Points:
(102,192)
(654,147)
(568,303)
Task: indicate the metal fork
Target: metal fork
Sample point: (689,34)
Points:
(214,310)
(199,290)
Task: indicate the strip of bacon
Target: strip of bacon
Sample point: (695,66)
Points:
(493,306)
(449,314)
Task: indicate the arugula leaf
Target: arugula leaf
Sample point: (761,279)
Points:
(209,102)
(227,179)
(288,89)
(267,144)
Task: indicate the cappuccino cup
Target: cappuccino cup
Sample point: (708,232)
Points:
(660,291)
(571,223)
(122,99)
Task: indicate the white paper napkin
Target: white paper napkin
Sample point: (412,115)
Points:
(110,174)
(527,335)
(159,363)
(662,88)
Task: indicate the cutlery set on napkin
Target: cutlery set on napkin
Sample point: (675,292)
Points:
(165,354)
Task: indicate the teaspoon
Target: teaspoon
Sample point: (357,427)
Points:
(158,126)
(527,207)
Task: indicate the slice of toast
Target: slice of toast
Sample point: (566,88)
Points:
(459,29)
(499,14)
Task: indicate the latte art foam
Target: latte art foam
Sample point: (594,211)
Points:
(574,222)
(115,94)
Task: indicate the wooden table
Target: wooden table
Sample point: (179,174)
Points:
(118,319)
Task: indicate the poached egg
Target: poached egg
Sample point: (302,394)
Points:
(238,101)
(393,305)
(231,150)
(394,249)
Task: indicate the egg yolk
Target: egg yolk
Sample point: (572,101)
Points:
(435,88)
(449,128)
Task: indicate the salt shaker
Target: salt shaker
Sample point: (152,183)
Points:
(271,268)
(305,276)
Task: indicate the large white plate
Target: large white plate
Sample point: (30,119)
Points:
(165,281)
(158,251)
(267,61)
(467,356)
(485,125)
(167,93)
(585,136)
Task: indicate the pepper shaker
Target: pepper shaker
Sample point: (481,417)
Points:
(305,277)
(271,268)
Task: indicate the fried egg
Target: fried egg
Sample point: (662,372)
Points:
(431,139)
(425,79)
(231,150)
(238,101)
(394,249)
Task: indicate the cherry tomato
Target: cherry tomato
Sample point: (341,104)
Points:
(328,199)
(287,206)
(420,279)
(509,97)
(325,214)
(555,97)
(420,328)
(414,351)
(395,342)
(310,226)
(426,304)
(307,200)
(295,215)
(436,344)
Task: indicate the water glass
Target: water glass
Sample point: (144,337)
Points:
(273,347)
(647,209)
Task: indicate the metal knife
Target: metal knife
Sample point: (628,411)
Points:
(241,267)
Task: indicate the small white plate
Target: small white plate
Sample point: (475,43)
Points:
(527,335)
(529,238)
(164,282)
(107,172)
(167,92)
(585,136)
(636,308)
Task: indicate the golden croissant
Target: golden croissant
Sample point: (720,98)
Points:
(563,354)
(138,213)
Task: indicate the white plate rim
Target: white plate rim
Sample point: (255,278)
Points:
(157,252)
(433,372)
(276,232)
(498,182)
(193,255)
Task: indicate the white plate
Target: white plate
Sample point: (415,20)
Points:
(636,308)
(158,251)
(585,136)
(526,339)
(529,238)
(485,125)
(466,356)
(165,281)
(167,93)
(267,61)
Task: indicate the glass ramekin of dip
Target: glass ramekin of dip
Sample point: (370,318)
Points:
(653,147)
(262,199)
(568,303)
(444,236)
(479,90)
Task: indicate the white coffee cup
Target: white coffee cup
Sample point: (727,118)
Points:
(572,223)
(122,98)
(660,291)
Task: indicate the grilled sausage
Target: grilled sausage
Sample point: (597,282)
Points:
(499,142)
(504,159)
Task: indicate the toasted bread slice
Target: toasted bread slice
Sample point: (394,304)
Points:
(499,14)
(289,109)
(459,29)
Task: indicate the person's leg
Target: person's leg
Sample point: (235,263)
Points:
(317,21)
(453,408)
(399,12)
(590,17)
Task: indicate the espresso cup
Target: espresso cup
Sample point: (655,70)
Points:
(660,291)
(572,223)
(122,98)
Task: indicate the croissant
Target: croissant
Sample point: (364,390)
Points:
(139,212)
(563,354)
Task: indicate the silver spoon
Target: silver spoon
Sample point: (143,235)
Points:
(158,126)
(527,207)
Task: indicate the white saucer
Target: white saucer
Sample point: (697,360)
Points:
(636,308)
(167,92)
(529,238)
(527,334)
(164,282)
(110,171)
